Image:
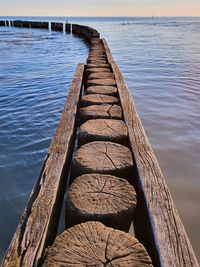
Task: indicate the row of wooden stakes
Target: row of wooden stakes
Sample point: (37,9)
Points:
(114,160)
(101,199)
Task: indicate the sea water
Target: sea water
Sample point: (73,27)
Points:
(160,59)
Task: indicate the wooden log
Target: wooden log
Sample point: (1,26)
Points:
(98,65)
(36,24)
(109,82)
(103,157)
(105,90)
(93,244)
(96,58)
(2,22)
(97,99)
(159,225)
(97,46)
(96,61)
(96,53)
(95,70)
(104,198)
(86,32)
(38,225)
(96,41)
(103,130)
(97,49)
(90,68)
(100,112)
(67,27)
(57,26)
(101,75)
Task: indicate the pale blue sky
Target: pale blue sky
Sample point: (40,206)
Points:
(100,7)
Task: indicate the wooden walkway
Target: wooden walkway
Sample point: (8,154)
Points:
(99,99)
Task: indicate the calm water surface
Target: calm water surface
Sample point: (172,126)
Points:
(36,70)
(160,59)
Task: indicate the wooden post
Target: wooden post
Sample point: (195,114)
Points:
(57,26)
(2,23)
(38,225)
(93,244)
(104,198)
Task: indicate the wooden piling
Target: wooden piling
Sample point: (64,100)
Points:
(103,130)
(2,23)
(58,26)
(93,244)
(104,198)
(98,99)
(104,158)
(105,90)
(100,112)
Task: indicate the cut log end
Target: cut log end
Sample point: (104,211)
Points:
(104,90)
(103,130)
(98,99)
(101,75)
(93,244)
(109,82)
(105,198)
(104,158)
(100,112)
(98,65)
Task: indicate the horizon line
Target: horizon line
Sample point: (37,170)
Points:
(102,16)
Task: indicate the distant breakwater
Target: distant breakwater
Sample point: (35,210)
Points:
(87,32)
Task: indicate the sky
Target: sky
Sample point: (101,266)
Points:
(99,7)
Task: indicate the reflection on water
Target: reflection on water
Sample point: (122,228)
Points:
(160,59)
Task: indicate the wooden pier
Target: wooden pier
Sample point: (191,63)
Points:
(100,159)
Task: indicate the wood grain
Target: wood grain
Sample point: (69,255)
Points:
(100,112)
(105,90)
(103,157)
(98,65)
(104,198)
(109,82)
(101,75)
(95,56)
(93,244)
(170,239)
(98,99)
(103,130)
(38,224)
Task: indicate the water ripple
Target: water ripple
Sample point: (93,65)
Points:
(36,71)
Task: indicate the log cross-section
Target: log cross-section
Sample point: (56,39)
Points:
(38,226)
(170,239)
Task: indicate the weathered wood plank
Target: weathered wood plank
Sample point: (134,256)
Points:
(38,225)
(173,245)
